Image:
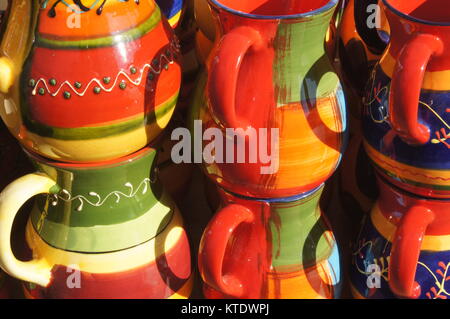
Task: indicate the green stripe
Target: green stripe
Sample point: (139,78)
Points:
(126,36)
(106,238)
(297,232)
(86,133)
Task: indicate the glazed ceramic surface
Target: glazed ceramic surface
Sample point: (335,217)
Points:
(360,47)
(269,249)
(407,237)
(406,111)
(297,92)
(172,9)
(111,221)
(99,81)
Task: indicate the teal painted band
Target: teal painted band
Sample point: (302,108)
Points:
(126,36)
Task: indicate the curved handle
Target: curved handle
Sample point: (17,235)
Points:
(213,247)
(406,87)
(11,199)
(362,13)
(15,42)
(224,72)
(406,250)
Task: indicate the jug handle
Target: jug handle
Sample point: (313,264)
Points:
(406,250)
(213,248)
(224,73)
(370,36)
(15,42)
(406,86)
(37,271)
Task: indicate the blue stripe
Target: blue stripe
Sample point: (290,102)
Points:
(376,126)
(170,8)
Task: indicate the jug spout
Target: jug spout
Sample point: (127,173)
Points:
(15,42)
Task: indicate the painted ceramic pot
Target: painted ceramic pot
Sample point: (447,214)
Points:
(360,47)
(295,111)
(406,112)
(403,250)
(269,249)
(107,225)
(100,80)
(172,9)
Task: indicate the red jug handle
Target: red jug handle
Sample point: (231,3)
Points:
(406,250)
(406,86)
(224,73)
(213,248)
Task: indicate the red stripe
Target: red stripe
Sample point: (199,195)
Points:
(156,280)
(82,66)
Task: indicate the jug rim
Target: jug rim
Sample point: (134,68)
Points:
(412,18)
(329,5)
(277,200)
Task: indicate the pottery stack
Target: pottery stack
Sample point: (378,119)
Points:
(87,90)
(403,249)
(270,89)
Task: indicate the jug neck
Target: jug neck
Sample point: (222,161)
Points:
(405,27)
(304,35)
(299,234)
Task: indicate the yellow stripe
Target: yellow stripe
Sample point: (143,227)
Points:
(356,293)
(407,172)
(109,262)
(174,20)
(97,149)
(185,291)
(298,285)
(387,230)
(435,81)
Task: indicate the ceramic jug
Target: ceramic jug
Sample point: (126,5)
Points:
(403,249)
(360,46)
(269,249)
(172,9)
(103,230)
(405,118)
(297,96)
(85,80)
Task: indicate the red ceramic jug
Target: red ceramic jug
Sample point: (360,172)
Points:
(270,81)
(408,237)
(279,248)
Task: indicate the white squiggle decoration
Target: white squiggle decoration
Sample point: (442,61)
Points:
(174,46)
(97,201)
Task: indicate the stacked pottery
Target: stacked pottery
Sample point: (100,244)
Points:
(363,36)
(87,99)
(405,241)
(269,82)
